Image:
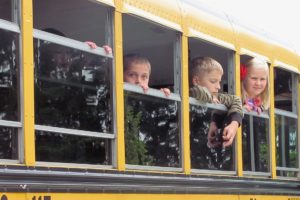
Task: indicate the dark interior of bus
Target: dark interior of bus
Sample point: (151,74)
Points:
(88,21)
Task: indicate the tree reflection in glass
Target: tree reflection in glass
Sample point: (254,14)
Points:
(286,145)
(203,156)
(54,147)
(9,76)
(72,88)
(8,143)
(255,144)
(151,131)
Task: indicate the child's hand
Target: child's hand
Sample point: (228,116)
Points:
(229,133)
(211,136)
(258,110)
(215,99)
(248,107)
(107,49)
(144,87)
(92,45)
(166,91)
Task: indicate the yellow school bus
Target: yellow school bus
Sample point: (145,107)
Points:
(72,129)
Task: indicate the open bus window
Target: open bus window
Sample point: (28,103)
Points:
(152,129)
(200,48)
(283,89)
(9,76)
(157,44)
(6,9)
(77,19)
(206,153)
(255,136)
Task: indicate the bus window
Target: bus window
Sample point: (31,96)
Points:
(77,19)
(73,98)
(286,146)
(286,125)
(63,148)
(283,90)
(72,91)
(205,154)
(255,128)
(152,133)
(9,80)
(255,144)
(8,143)
(9,92)
(6,10)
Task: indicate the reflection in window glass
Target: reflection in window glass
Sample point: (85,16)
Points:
(6,9)
(72,88)
(53,147)
(9,76)
(203,156)
(283,89)
(255,144)
(151,131)
(8,143)
(286,144)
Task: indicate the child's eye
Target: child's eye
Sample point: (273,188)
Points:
(144,77)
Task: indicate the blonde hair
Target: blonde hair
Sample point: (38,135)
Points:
(202,65)
(265,95)
(129,59)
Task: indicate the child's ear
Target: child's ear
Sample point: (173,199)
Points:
(195,80)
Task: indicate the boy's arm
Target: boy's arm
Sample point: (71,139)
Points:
(234,105)
(201,94)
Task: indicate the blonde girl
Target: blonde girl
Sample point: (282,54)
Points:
(255,85)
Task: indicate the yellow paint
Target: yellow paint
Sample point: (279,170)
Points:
(239,154)
(272,124)
(298,125)
(28,82)
(118,48)
(165,12)
(107,2)
(185,108)
(95,196)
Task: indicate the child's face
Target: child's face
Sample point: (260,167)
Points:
(211,81)
(255,81)
(137,73)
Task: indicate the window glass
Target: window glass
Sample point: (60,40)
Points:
(286,145)
(204,156)
(72,88)
(6,9)
(8,143)
(9,76)
(77,19)
(283,89)
(54,147)
(255,131)
(151,131)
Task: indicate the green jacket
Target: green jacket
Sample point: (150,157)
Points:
(232,102)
